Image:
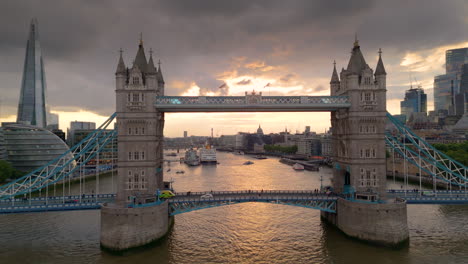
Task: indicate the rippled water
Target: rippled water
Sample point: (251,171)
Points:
(242,233)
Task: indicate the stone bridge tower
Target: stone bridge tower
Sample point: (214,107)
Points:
(358,132)
(140,128)
(138,217)
(358,135)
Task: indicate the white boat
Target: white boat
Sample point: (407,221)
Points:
(298,167)
(191,158)
(208,155)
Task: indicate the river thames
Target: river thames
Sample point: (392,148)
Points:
(242,233)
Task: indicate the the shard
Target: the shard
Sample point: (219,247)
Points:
(32,102)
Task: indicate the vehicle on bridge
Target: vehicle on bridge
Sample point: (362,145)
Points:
(166,194)
(207,196)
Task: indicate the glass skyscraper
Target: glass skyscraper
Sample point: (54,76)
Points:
(415,101)
(32,102)
(448,85)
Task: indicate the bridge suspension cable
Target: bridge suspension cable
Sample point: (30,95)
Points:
(424,156)
(63,167)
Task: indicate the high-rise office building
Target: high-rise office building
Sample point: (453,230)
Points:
(415,102)
(448,85)
(461,99)
(185,134)
(79,130)
(32,102)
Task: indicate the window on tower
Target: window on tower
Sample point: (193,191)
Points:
(136,80)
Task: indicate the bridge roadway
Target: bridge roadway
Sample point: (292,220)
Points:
(191,201)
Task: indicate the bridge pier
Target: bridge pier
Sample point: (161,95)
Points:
(127,228)
(382,224)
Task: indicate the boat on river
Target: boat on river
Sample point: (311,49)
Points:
(208,155)
(298,167)
(191,158)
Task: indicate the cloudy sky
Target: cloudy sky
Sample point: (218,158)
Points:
(244,43)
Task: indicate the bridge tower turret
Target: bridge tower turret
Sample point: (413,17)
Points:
(358,135)
(358,132)
(140,126)
(139,129)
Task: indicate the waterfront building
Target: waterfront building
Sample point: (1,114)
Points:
(241,141)
(327,145)
(79,130)
(32,102)
(29,147)
(461,127)
(3,153)
(227,141)
(447,86)
(309,146)
(415,102)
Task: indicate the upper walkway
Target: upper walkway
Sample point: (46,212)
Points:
(251,103)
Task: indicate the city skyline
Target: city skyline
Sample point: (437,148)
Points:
(203,51)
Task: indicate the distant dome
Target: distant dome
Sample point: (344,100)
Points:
(29,147)
(259,130)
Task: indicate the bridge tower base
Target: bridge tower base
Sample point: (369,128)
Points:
(127,228)
(377,223)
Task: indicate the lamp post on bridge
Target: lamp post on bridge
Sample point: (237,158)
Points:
(321,182)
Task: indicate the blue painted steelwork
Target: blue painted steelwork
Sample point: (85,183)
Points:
(50,208)
(253,103)
(188,203)
(63,166)
(307,199)
(423,155)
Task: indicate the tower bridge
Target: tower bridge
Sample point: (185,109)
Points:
(361,208)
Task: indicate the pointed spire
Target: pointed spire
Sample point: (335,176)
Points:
(121,65)
(380,70)
(159,75)
(140,58)
(334,78)
(32,105)
(356,63)
(356,41)
(151,68)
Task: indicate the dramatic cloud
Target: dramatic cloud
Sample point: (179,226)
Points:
(244,82)
(204,44)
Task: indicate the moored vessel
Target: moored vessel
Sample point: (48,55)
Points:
(208,155)
(191,158)
(298,167)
